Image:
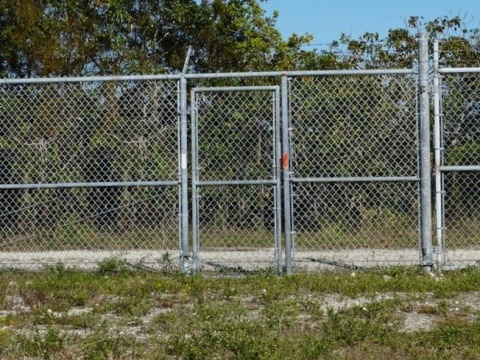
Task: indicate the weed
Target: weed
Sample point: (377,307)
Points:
(82,321)
(6,340)
(43,316)
(113,265)
(168,265)
(43,344)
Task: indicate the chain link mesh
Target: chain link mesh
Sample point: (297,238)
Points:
(237,217)
(237,227)
(88,132)
(235,131)
(351,127)
(462,210)
(461,116)
(461,147)
(355,215)
(236,141)
(354,126)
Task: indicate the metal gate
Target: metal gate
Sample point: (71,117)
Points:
(457,156)
(236,189)
(354,169)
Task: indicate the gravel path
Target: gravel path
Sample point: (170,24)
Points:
(232,260)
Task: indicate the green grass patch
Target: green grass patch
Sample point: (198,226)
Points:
(115,312)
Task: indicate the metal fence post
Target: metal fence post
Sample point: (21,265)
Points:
(278,183)
(195,197)
(425,166)
(439,210)
(185,251)
(286,176)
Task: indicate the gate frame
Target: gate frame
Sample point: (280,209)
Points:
(426,249)
(276,182)
(440,167)
(421,178)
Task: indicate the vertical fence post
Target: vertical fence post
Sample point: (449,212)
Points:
(439,211)
(195,197)
(185,252)
(278,182)
(425,166)
(286,176)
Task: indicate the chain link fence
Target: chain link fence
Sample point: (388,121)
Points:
(354,160)
(88,165)
(95,166)
(458,173)
(242,172)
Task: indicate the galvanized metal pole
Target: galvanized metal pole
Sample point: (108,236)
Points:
(195,179)
(278,183)
(425,166)
(286,177)
(438,158)
(185,251)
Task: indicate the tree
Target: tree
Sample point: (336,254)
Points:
(70,38)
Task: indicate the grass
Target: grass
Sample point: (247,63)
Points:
(117,313)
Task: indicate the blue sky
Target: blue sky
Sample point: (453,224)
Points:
(327,19)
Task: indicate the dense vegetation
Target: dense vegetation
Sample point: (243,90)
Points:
(58,38)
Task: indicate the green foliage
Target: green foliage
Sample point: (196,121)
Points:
(463,154)
(113,265)
(57,38)
(398,49)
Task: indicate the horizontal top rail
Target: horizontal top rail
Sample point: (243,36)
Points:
(301,73)
(206,76)
(88,79)
(458,70)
